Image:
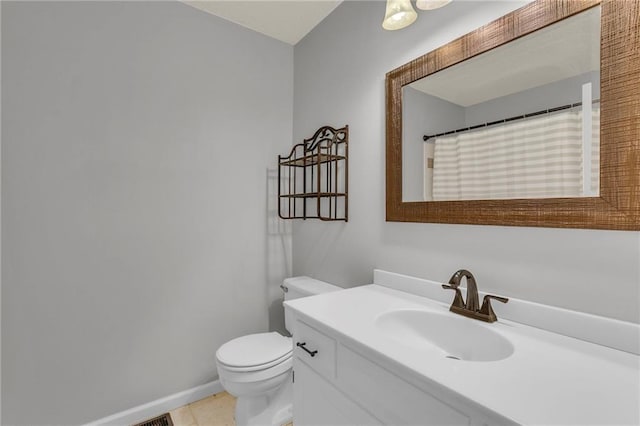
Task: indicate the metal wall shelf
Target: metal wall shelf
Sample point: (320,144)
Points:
(310,160)
(313,178)
(314,194)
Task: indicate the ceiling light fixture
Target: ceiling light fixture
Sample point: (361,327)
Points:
(431,4)
(399,14)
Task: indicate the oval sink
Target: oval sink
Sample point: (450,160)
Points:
(458,337)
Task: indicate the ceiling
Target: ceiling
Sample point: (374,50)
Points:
(566,49)
(285,20)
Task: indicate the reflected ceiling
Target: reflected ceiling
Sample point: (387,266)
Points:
(551,54)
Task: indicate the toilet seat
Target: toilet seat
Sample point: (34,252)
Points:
(255,352)
(238,375)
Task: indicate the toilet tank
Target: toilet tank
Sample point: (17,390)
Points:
(297,287)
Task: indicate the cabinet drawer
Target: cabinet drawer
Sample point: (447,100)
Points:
(389,398)
(323,349)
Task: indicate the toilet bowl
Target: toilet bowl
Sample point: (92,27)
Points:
(257,368)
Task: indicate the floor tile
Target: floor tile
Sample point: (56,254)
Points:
(216,410)
(183,417)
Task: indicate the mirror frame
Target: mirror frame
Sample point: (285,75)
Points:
(618,205)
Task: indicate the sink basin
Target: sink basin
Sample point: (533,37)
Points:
(455,336)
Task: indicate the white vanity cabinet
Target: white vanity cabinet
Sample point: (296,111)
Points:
(388,356)
(339,386)
(317,402)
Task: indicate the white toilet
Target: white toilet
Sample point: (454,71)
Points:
(256,368)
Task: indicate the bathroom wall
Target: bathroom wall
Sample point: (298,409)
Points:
(422,115)
(339,78)
(550,95)
(137,139)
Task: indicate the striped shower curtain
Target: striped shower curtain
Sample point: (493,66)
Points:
(595,151)
(539,157)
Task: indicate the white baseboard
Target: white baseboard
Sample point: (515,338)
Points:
(159,406)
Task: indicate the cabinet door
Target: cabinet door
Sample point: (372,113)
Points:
(389,397)
(316,402)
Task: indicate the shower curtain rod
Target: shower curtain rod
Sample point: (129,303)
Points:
(505,120)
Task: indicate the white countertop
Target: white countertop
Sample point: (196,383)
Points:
(550,379)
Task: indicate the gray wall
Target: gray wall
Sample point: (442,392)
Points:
(550,95)
(136,138)
(587,270)
(422,114)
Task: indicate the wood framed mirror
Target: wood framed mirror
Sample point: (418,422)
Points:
(617,205)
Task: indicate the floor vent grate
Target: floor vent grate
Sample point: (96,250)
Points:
(163,420)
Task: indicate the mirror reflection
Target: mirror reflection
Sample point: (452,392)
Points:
(519,121)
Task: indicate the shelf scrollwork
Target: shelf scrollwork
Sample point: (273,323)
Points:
(325,134)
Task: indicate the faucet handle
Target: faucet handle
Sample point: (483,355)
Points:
(457,300)
(486,308)
(498,298)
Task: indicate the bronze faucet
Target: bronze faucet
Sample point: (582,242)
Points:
(470,308)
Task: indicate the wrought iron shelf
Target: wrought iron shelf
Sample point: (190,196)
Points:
(314,195)
(313,178)
(310,160)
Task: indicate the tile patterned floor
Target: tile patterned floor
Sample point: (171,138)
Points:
(215,410)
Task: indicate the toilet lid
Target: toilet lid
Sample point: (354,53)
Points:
(255,350)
